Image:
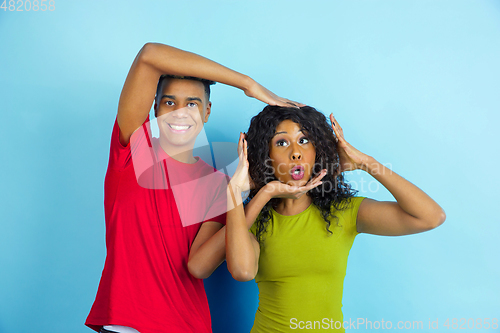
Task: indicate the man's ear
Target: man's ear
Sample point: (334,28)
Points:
(208,110)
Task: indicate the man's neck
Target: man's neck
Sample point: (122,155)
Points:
(182,154)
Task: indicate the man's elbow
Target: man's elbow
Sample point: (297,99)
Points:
(146,53)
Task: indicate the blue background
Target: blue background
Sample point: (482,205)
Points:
(413,83)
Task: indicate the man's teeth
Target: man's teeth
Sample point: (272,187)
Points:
(179,128)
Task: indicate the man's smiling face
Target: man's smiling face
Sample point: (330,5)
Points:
(182,110)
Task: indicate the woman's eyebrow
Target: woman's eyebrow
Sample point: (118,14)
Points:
(279,133)
(285,132)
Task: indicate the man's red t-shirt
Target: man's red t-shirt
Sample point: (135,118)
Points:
(145,283)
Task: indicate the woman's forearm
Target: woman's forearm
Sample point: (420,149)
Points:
(409,197)
(242,248)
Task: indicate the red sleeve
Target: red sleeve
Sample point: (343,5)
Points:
(120,156)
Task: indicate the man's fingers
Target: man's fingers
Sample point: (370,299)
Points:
(279,101)
(289,105)
(293,103)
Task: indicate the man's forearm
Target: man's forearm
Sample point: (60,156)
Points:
(170,60)
(205,260)
(213,252)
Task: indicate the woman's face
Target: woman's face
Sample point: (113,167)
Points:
(292,154)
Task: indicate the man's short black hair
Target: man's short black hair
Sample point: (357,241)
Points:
(159,87)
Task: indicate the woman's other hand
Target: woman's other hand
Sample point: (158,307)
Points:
(277,189)
(241,178)
(349,157)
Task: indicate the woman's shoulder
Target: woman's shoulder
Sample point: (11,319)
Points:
(347,205)
(347,210)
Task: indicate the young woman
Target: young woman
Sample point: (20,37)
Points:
(304,217)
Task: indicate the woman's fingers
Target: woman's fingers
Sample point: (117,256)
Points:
(245,148)
(338,127)
(320,175)
(242,144)
(311,186)
(240,177)
(334,127)
(303,189)
(294,191)
(315,182)
(242,150)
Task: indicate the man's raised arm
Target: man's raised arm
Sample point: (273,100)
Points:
(154,60)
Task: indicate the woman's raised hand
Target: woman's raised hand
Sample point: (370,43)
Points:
(349,157)
(277,189)
(241,178)
(259,92)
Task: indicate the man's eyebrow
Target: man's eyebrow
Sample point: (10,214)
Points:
(168,96)
(194,99)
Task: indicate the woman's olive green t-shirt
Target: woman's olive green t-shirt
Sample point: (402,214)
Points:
(302,269)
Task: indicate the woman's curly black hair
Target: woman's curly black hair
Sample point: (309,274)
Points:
(332,192)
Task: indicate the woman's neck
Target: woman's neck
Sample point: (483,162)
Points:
(290,207)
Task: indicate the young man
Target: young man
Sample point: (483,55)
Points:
(156,193)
